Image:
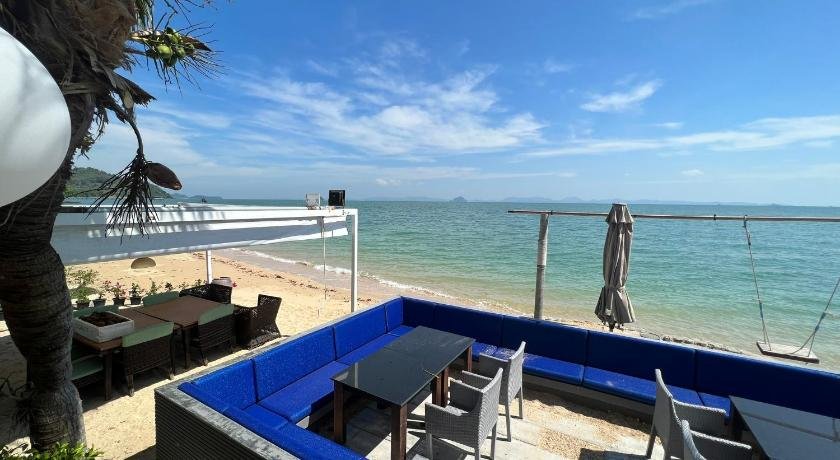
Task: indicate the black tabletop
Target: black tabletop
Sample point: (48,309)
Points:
(401,369)
(433,348)
(785,433)
(389,375)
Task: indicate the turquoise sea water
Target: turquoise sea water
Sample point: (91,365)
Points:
(687,278)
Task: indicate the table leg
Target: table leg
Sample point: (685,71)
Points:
(399,429)
(737,424)
(444,388)
(437,389)
(109,372)
(185,335)
(339,424)
(468,359)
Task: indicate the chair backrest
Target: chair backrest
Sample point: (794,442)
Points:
(665,416)
(690,451)
(264,300)
(148,333)
(213,314)
(82,312)
(488,405)
(215,292)
(162,297)
(111,308)
(514,372)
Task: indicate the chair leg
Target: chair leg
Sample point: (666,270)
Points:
(651,440)
(478,452)
(429,446)
(507,416)
(493,443)
(521,405)
(129,378)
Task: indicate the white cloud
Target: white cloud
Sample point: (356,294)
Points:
(553,66)
(692,173)
(387,182)
(329,70)
(204,119)
(621,101)
(763,134)
(670,125)
(667,9)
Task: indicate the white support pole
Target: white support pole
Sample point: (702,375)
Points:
(354,263)
(208,260)
(542,257)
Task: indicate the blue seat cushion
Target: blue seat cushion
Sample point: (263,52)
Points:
(545,338)
(306,444)
(400,330)
(306,395)
(203,396)
(367,349)
(637,357)
(282,365)
(394,313)
(258,414)
(720,402)
(418,312)
(634,388)
(358,330)
(549,368)
(484,327)
(233,384)
(479,348)
(728,374)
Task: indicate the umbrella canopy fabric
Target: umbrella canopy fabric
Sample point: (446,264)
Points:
(614,306)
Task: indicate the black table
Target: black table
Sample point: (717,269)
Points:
(396,373)
(784,433)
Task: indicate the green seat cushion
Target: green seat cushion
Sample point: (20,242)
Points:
(162,297)
(86,366)
(111,308)
(224,309)
(82,312)
(148,333)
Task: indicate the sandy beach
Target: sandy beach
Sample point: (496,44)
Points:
(124,426)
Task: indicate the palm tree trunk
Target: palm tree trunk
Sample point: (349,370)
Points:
(36,302)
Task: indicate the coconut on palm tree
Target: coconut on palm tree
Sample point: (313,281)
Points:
(87,46)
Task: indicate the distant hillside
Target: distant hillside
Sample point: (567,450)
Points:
(84,181)
(459,199)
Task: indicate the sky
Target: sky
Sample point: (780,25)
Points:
(696,100)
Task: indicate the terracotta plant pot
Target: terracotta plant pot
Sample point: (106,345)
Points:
(119,301)
(81,304)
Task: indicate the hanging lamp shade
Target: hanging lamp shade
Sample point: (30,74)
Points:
(34,122)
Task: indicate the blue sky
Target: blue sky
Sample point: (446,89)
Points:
(717,100)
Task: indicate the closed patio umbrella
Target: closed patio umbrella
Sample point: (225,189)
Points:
(614,306)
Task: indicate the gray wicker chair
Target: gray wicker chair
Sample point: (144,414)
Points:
(511,379)
(698,446)
(472,414)
(667,414)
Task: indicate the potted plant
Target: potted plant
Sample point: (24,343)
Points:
(82,300)
(183,285)
(136,294)
(153,288)
(83,280)
(99,301)
(118,292)
(168,287)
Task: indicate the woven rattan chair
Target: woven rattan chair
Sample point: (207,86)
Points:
(473,413)
(147,349)
(215,292)
(667,414)
(511,379)
(215,327)
(699,446)
(87,368)
(257,325)
(162,297)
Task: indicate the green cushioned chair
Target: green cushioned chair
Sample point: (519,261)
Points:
(215,327)
(146,349)
(82,312)
(155,299)
(87,369)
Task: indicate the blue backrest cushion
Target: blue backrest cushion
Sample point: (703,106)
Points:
(418,312)
(639,357)
(203,396)
(288,362)
(545,338)
(394,313)
(306,444)
(727,374)
(359,329)
(484,327)
(233,384)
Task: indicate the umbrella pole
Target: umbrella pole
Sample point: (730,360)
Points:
(542,257)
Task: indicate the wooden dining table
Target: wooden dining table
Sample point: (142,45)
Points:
(184,312)
(107,349)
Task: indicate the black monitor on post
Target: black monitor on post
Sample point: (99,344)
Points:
(336,198)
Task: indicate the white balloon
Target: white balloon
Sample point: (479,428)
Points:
(34,122)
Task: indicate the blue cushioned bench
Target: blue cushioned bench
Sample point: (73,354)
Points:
(274,392)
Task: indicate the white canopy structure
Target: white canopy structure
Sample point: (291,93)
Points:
(80,237)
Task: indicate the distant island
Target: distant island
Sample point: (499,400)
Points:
(459,199)
(84,182)
(195,198)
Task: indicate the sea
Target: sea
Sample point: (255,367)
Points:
(689,279)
